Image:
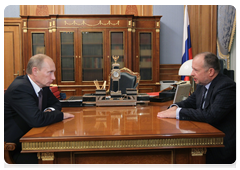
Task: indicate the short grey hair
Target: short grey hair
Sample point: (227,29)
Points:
(212,61)
(36,61)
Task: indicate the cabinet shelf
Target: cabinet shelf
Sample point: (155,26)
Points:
(67,56)
(38,44)
(67,43)
(92,56)
(92,69)
(89,43)
(67,68)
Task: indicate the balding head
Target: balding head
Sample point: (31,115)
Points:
(36,61)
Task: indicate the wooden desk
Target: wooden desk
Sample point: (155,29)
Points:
(131,134)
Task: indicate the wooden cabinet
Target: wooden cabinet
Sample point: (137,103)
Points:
(82,47)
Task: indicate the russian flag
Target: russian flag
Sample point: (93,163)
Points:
(187,47)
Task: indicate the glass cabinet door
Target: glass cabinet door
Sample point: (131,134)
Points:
(117,48)
(145,65)
(92,56)
(38,43)
(67,56)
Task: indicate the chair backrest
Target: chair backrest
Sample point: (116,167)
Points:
(129,79)
(229,73)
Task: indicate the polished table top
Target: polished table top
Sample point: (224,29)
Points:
(120,123)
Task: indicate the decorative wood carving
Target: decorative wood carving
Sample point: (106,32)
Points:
(42,10)
(137,10)
(131,9)
(119,144)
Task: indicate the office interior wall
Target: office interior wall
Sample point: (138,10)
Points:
(12,11)
(171,32)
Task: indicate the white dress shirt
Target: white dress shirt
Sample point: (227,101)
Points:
(179,108)
(37,89)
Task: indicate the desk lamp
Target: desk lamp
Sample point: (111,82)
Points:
(186,70)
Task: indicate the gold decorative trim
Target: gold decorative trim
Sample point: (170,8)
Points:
(157,30)
(24,27)
(99,23)
(73,90)
(50,27)
(119,144)
(129,29)
(232,34)
(129,23)
(46,156)
(198,151)
(53,26)
(222,56)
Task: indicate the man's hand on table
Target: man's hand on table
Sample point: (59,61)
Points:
(169,113)
(67,115)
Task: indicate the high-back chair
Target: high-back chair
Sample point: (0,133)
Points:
(128,79)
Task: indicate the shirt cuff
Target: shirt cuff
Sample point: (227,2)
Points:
(51,108)
(177,112)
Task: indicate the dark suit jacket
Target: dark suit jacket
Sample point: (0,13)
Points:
(219,111)
(21,111)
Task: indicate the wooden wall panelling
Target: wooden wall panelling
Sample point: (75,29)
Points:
(12,50)
(129,44)
(24,43)
(41,10)
(203,26)
(137,10)
(53,42)
(169,72)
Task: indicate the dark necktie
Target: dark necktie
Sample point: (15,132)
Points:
(203,97)
(40,96)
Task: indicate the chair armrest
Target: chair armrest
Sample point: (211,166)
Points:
(7,157)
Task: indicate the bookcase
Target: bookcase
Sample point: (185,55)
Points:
(82,47)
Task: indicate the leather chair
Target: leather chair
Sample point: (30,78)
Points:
(229,73)
(129,79)
(8,147)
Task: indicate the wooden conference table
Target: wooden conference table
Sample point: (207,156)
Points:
(123,134)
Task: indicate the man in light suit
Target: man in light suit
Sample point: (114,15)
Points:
(21,104)
(216,106)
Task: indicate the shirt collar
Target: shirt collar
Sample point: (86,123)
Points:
(35,86)
(208,85)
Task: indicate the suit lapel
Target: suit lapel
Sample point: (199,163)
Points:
(31,89)
(210,90)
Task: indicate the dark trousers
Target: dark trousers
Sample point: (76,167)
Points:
(217,156)
(24,158)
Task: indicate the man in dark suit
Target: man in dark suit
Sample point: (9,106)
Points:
(23,109)
(216,105)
